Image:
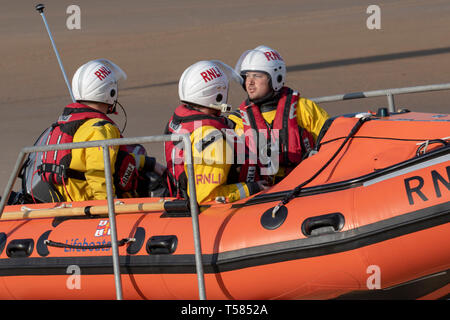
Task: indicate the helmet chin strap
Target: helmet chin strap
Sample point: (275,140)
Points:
(113,109)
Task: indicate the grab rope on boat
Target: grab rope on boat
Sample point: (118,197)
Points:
(422,149)
(100,246)
(294,192)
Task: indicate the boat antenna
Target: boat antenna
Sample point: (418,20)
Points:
(294,192)
(40,8)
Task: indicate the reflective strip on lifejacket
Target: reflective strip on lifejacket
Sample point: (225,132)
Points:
(56,151)
(173,161)
(241,189)
(44,155)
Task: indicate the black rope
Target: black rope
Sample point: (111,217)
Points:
(100,246)
(126,118)
(87,211)
(429,142)
(294,192)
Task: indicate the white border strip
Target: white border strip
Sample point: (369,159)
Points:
(425,164)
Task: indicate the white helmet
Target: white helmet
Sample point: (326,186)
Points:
(206,83)
(96,81)
(263,59)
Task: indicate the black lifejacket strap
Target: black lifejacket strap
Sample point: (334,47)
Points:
(284,132)
(52,189)
(61,171)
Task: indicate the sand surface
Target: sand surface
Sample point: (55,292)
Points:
(326,44)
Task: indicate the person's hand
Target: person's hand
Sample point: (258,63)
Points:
(263,185)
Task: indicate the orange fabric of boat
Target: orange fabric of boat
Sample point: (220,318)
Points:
(379,143)
(395,221)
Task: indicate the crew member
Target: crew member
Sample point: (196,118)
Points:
(203,91)
(78,174)
(273,117)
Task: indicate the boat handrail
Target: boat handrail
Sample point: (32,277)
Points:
(389,93)
(105,144)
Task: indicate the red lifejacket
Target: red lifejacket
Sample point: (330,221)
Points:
(52,167)
(55,164)
(186,120)
(293,141)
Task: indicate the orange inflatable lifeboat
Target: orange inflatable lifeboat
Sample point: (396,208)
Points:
(367,216)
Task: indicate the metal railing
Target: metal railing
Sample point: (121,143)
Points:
(105,144)
(389,93)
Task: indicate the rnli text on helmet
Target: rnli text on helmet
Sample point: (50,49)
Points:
(102,73)
(272,55)
(211,74)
